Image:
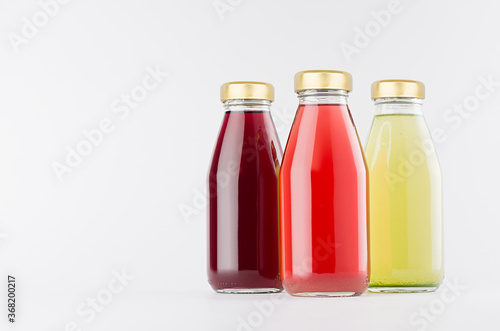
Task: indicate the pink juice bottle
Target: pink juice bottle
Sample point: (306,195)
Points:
(323,193)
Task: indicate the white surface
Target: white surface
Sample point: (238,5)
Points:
(119,209)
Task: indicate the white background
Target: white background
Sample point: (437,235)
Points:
(120,208)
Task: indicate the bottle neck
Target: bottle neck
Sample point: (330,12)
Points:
(247,105)
(317,97)
(390,106)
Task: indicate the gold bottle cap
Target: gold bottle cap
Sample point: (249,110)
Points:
(398,88)
(246,90)
(323,80)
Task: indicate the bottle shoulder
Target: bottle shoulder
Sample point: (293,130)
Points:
(244,136)
(400,144)
(323,137)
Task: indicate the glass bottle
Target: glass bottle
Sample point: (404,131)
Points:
(323,193)
(243,249)
(405,191)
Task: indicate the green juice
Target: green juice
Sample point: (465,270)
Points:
(405,197)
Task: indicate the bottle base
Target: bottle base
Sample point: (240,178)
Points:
(248,290)
(326,294)
(402,289)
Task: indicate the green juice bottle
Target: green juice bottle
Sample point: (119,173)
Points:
(405,193)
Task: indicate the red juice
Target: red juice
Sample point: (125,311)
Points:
(243,205)
(323,195)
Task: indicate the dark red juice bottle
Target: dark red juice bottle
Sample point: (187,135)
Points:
(323,193)
(243,249)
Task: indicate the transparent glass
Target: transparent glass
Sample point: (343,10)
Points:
(323,198)
(405,192)
(243,250)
